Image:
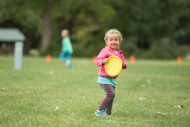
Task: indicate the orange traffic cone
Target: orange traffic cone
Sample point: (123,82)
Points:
(94,59)
(132,58)
(179,60)
(48,58)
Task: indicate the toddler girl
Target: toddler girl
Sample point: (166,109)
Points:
(113,40)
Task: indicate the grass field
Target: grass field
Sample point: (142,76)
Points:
(42,94)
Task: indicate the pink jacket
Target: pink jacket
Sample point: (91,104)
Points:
(105,53)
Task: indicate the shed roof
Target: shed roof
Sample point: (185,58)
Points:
(11,34)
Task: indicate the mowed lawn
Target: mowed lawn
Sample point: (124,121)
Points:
(47,94)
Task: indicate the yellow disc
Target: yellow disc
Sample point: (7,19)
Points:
(113,66)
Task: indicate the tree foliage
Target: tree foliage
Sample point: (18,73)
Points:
(145,24)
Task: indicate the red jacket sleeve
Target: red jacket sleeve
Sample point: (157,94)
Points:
(123,60)
(100,57)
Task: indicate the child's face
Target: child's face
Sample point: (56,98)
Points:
(113,41)
(64,33)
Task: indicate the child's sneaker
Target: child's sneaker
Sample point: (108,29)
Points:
(100,113)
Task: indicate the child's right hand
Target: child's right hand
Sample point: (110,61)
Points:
(105,61)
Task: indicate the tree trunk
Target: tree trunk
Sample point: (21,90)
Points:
(27,43)
(46,30)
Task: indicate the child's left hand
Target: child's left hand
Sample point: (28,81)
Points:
(124,65)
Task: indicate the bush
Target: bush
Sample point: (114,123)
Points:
(88,51)
(164,49)
(129,46)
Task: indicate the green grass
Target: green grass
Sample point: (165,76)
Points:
(49,95)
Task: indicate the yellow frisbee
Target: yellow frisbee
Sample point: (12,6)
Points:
(113,66)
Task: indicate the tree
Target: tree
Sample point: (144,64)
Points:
(146,24)
(12,15)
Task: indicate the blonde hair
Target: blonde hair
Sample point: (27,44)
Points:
(65,32)
(113,31)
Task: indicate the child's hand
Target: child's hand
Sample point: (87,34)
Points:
(124,65)
(105,61)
